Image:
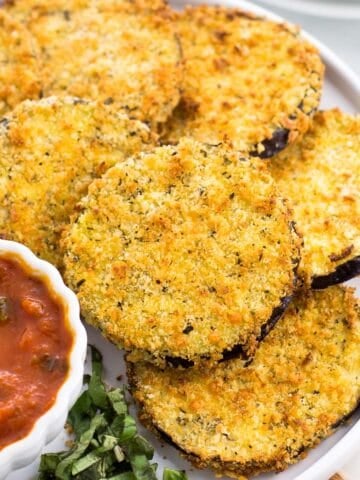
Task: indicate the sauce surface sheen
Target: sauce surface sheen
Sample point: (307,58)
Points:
(35,343)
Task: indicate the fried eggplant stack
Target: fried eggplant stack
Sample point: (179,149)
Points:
(244,418)
(239,421)
(304,380)
(199,240)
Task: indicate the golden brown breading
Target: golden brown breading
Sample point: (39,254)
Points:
(19,72)
(119,51)
(247,80)
(321,177)
(50,150)
(182,253)
(304,380)
(23,9)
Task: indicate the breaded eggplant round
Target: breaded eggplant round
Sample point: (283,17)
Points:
(303,382)
(183,254)
(50,150)
(321,178)
(247,80)
(19,73)
(123,52)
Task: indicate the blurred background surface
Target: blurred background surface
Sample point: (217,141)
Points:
(336,24)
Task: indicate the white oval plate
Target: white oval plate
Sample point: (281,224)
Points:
(342,89)
(343,9)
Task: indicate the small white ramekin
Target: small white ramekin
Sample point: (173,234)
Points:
(49,425)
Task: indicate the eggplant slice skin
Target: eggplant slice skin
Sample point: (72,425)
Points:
(188,228)
(273,145)
(302,383)
(321,178)
(247,81)
(237,351)
(342,273)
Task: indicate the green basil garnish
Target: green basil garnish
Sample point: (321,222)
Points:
(107,445)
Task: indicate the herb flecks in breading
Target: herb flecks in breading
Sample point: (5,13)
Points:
(19,73)
(303,382)
(248,81)
(191,235)
(50,150)
(122,52)
(321,177)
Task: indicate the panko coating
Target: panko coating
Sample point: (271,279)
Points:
(183,254)
(321,178)
(19,73)
(304,381)
(50,150)
(123,52)
(248,81)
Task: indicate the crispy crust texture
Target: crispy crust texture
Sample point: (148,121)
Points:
(243,421)
(321,178)
(185,231)
(19,72)
(50,150)
(123,52)
(247,80)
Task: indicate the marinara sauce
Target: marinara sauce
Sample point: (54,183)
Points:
(35,344)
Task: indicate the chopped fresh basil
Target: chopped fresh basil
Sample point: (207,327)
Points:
(107,445)
(170,474)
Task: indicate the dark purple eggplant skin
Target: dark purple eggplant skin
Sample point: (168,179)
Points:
(191,457)
(342,273)
(176,362)
(280,137)
(167,439)
(249,468)
(347,417)
(275,317)
(238,351)
(272,146)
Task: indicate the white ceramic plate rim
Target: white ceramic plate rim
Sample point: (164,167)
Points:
(342,75)
(50,424)
(342,10)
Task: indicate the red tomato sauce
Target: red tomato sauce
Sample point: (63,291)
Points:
(35,344)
